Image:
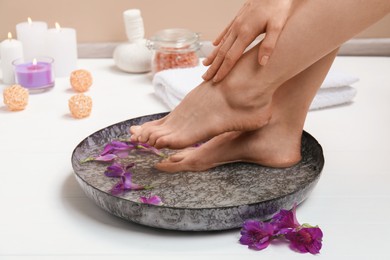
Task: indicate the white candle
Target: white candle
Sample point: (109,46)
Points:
(32,36)
(61,45)
(10,50)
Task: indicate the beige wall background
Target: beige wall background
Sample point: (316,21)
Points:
(101,20)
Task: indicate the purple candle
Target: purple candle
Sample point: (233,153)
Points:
(34,75)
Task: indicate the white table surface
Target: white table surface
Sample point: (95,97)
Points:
(45,214)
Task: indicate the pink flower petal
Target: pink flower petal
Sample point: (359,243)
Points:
(153,200)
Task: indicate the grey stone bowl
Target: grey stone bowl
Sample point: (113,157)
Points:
(217,199)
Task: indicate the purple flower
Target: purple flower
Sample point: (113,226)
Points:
(115,146)
(117,169)
(143,147)
(306,239)
(125,184)
(153,200)
(105,158)
(285,220)
(256,234)
(120,149)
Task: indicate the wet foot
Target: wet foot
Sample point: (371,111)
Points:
(270,146)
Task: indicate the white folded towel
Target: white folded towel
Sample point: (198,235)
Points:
(172,85)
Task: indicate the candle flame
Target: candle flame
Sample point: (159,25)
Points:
(9,36)
(34,62)
(58,27)
(29,20)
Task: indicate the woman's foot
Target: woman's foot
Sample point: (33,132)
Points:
(272,145)
(239,103)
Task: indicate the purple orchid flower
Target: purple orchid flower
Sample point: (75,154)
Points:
(285,220)
(306,239)
(144,147)
(256,235)
(152,200)
(125,184)
(106,158)
(117,169)
(120,149)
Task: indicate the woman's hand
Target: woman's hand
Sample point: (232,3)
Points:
(254,18)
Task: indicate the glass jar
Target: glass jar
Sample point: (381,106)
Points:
(174,48)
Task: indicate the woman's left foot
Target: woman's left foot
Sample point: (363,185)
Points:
(272,146)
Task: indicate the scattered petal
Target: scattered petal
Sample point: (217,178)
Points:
(126,184)
(106,158)
(115,170)
(121,154)
(115,147)
(117,189)
(143,147)
(153,200)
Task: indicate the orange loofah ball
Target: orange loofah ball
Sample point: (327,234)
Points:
(15,97)
(80,80)
(80,106)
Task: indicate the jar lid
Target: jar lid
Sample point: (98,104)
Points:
(174,38)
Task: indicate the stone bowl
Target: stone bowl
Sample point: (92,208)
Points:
(217,199)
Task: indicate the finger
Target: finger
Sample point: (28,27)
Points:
(231,58)
(268,44)
(210,59)
(220,56)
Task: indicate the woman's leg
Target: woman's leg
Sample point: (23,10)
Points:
(278,144)
(242,101)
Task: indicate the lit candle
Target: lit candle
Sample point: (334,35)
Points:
(10,50)
(32,36)
(36,74)
(61,44)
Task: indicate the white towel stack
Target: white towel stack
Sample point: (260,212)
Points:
(172,85)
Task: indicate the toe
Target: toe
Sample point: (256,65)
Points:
(148,131)
(171,167)
(156,134)
(135,130)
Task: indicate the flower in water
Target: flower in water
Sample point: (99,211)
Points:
(285,220)
(117,169)
(105,158)
(256,234)
(143,147)
(306,239)
(125,184)
(118,148)
(153,200)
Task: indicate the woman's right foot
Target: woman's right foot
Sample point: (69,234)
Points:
(238,103)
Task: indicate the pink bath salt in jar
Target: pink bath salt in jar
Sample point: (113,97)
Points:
(174,48)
